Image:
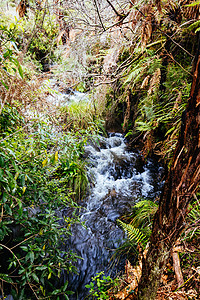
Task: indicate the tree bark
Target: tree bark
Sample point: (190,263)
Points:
(180,187)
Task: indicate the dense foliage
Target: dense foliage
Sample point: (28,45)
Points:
(136,58)
(40,172)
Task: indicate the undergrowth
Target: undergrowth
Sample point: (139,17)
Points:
(41,171)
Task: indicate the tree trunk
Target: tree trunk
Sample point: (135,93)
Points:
(179,189)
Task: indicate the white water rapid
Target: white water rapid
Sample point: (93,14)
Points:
(113,170)
(118,179)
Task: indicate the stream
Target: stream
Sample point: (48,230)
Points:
(119,178)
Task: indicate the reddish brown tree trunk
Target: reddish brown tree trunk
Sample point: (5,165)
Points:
(179,189)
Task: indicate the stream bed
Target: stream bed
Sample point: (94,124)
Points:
(118,178)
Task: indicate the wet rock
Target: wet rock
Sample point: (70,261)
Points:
(139,164)
(94,145)
(102,143)
(9,297)
(113,216)
(68,91)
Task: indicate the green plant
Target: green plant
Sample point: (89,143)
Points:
(100,285)
(32,235)
(82,115)
(9,63)
(9,119)
(138,228)
(143,213)
(192,231)
(134,234)
(71,170)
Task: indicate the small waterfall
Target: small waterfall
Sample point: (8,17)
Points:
(119,179)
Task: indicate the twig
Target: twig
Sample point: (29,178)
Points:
(168,36)
(99,16)
(20,265)
(170,55)
(1,213)
(13,133)
(117,13)
(184,283)
(30,237)
(8,92)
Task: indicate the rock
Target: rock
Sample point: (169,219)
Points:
(9,297)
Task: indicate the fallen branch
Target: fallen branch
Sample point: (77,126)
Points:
(177,267)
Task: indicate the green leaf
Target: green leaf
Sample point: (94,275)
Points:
(14,60)
(4,198)
(1,175)
(6,278)
(5,85)
(20,210)
(130,132)
(21,271)
(21,296)
(65,286)
(44,163)
(8,209)
(35,277)
(87,286)
(170,130)
(193,4)
(142,126)
(20,71)
(8,53)
(31,256)
(12,26)
(24,248)
(41,268)
(55,292)
(134,234)
(133,74)
(194,25)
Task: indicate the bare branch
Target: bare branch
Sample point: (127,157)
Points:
(117,13)
(95,2)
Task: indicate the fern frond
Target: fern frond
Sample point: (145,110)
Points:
(194,220)
(134,234)
(144,211)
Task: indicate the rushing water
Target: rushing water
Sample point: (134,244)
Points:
(119,178)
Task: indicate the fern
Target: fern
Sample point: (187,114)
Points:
(139,229)
(144,212)
(134,73)
(134,234)
(193,218)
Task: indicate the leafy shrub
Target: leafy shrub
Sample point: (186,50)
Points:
(100,285)
(82,115)
(36,172)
